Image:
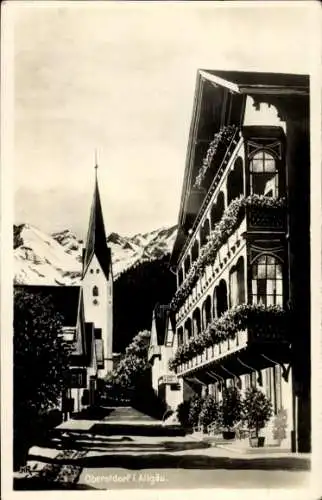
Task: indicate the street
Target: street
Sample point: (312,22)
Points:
(125,449)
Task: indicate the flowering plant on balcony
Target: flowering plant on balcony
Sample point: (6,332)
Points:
(258,319)
(224,136)
(229,222)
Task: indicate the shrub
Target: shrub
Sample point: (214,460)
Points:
(195,409)
(209,411)
(183,413)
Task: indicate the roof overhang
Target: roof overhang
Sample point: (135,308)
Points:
(214,86)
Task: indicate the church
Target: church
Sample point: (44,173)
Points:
(87,315)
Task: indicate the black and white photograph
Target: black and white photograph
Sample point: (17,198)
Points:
(161,245)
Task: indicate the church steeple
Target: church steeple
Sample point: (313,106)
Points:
(96,237)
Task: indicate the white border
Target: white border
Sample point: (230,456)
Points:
(6,258)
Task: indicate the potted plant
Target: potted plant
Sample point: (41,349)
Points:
(183,410)
(230,411)
(257,412)
(280,425)
(196,403)
(209,412)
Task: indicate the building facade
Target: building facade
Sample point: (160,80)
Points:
(242,254)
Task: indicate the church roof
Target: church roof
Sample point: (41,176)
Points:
(96,237)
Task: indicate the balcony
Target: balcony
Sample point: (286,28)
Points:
(262,213)
(266,218)
(237,329)
(215,352)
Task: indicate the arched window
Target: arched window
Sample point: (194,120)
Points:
(263,174)
(187,264)
(217,209)
(205,231)
(188,329)
(195,251)
(237,283)
(180,336)
(221,295)
(196,318)
(235,181)
(206,312)
(95,291)
(214,303)
(267,281)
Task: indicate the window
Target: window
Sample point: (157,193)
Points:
(180,336)
(187,264)
(195,251)
(217,210)
(91,271)
(237,283)
(267,281)
(206,312)
(77,379)
(97,271)
(204,232)
(235,181)
(95,291)
(188,329)
(263,174)
(196,318)
(221,298)
(180,276)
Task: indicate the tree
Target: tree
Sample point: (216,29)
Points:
(196,403)
(209,411)
(133,367)
(40,362)
(231,407)
(183,410)
(257,408)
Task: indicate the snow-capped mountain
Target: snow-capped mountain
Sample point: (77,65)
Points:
(56,259)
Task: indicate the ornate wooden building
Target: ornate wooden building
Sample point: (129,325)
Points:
(242,254)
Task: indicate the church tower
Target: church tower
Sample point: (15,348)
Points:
(97,282)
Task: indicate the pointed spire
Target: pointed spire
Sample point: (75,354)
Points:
(96,235)
(96,163)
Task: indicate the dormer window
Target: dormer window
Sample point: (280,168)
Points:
(263,174)
(95,291)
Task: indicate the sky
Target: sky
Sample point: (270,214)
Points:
(120,78)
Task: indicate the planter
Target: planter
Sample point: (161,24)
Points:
(257,442)
(228,435)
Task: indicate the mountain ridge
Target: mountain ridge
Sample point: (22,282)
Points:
(55,259)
